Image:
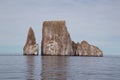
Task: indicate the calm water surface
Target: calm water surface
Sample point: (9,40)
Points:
(59,68)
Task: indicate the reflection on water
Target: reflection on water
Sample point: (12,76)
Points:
(30,67)
(33,68)
(64,68)
(59,68)
(54,68)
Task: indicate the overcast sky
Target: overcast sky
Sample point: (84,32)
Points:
(96,21)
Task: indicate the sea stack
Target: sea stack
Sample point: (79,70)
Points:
(85,49)
(56,39)
(31,47)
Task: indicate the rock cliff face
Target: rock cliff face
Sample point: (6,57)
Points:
(56,39)
(85,49)
(31,47)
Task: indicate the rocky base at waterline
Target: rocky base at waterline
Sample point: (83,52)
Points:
(85,49)
(56,41)
(31,47)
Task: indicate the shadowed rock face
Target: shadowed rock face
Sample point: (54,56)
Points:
(56,39)
(31,47)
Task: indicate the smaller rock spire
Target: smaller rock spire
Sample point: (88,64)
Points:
(31,47)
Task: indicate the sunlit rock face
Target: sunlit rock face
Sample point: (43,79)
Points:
(56,39)
(31,47)
(85,49)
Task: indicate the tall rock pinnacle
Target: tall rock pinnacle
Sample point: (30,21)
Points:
(31,47)
(55,39)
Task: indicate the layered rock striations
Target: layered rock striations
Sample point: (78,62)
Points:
(31,47)
(56,39)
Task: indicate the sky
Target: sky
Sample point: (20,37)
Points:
(96,21)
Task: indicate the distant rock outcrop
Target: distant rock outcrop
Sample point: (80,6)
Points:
(56,39)
(85,49)
(31,47)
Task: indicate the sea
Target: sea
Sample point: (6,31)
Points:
(19,67)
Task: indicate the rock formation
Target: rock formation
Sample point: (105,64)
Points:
(56,39)
(85,49)
(31,47)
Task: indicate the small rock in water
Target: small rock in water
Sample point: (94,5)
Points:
(31,47)
(85,49)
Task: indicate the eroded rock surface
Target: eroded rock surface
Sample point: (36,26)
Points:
(56,39)
(31,47)
(85,49)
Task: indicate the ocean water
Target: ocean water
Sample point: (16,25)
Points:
(59,68)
